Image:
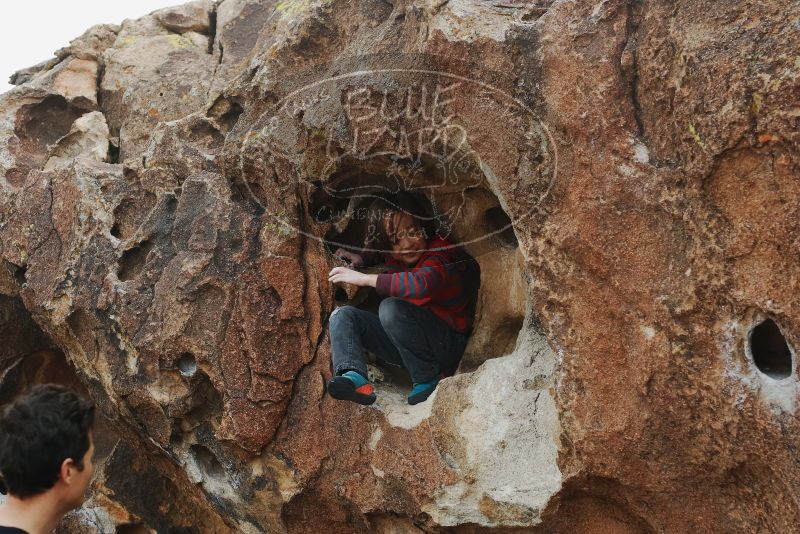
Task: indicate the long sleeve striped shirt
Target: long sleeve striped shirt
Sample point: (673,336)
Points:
(445,280)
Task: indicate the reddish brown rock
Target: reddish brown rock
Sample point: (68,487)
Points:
(625,173)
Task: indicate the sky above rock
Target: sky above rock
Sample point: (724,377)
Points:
(32,30)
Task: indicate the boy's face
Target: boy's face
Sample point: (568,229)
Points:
(407,238)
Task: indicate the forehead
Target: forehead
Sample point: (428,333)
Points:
(398,220)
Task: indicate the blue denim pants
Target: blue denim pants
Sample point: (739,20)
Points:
(401,334)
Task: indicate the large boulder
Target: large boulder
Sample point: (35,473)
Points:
(625,173)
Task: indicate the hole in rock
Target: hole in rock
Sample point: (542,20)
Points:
(208,463)
(227,112)
(21,275)
(770,351)
(499,223)
(206,404)
(42,124)
(187,364)
(470,217)
(231,116)
(131,212)
(212,30)
(340,296)
(133,261)
(113,152)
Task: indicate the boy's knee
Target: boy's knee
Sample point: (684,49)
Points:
(341,313)
(390,311)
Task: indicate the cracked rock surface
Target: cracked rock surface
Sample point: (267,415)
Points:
(162,250)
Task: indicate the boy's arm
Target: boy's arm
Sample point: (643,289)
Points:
(421,283)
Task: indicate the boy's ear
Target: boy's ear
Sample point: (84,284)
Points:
(68,469)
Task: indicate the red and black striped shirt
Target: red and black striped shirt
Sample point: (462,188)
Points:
(445,280)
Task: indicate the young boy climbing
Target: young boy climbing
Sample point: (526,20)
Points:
(423,323)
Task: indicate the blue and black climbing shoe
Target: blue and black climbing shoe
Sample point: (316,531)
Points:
(351,386)
(422,391)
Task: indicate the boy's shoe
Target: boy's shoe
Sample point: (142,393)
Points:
(422,391)
(351,386)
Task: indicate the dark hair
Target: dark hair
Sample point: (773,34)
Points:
(403,202)
(38,431)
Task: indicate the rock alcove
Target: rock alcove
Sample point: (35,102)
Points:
(470,216)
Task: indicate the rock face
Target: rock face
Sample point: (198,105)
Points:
(626,173)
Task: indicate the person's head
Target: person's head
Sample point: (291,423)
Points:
(46,444)
(399,224)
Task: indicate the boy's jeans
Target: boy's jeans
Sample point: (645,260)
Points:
(401,334)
